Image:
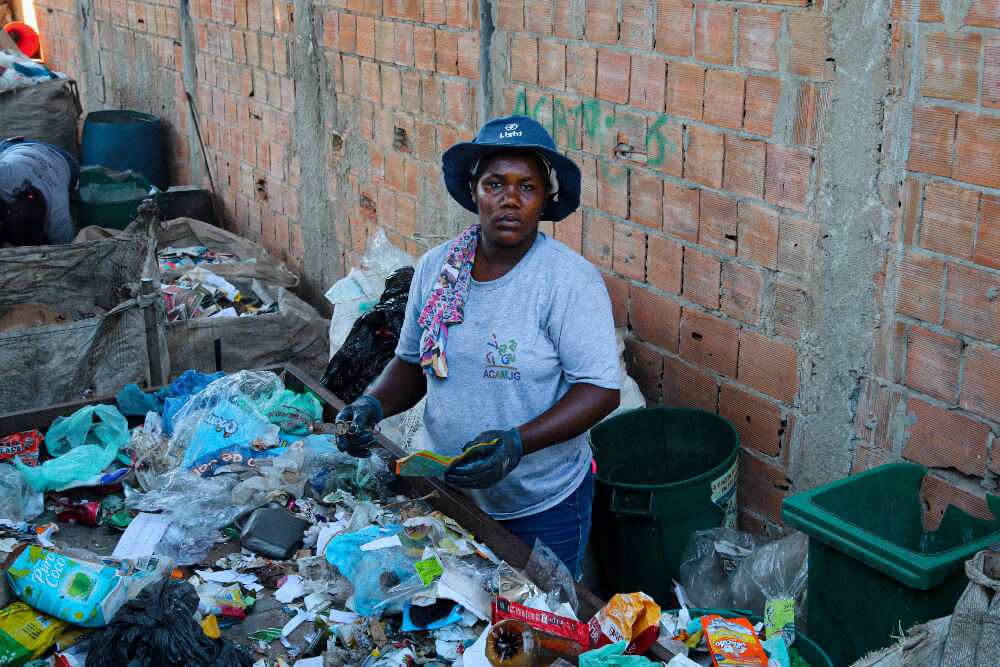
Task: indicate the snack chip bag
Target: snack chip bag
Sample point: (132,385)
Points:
(24,445)
(26,634)
(634,618)
(733,642)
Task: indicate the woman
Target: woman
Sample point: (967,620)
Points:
(35,183)
(510,335)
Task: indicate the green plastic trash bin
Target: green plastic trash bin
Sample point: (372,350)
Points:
(109,198)
(873,569)
(662,474)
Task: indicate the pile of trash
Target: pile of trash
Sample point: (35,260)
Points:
(191,256)
(17,69)
(199,293)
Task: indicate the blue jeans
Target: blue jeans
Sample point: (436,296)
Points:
(563,528)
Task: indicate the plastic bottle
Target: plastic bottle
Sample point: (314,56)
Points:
(514,643)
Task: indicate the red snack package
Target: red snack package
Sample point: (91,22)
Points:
(24,445)
(634,618)
(542,620)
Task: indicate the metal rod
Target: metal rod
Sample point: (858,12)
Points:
(204,155)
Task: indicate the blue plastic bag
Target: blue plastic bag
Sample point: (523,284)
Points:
(368,571)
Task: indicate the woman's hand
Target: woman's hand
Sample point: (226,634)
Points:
(363,414)
(489,463)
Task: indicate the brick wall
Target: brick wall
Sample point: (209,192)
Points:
(934,397)
(699,127)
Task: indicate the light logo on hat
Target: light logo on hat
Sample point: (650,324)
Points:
(510,130)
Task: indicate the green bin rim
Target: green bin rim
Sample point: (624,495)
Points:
(698,612)
(726,463)
(916,570)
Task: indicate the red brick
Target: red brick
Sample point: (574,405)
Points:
(757,234)
(910,195)
(390,86)
(921,279)
(581,69)
(949,224)
(932,362)
(458,15)
(981,382)
(538,16)
(701,278)
(758,32)
(718,228)
(923,10)
(932,141)
(423,47)
(629,252)
(971,305)
(791,306)
(685,386)
(810,103)
(403,9)
(645,366)
(977,149)
(588,180)
(570,231)
(681,211)
(568,19)
(762,96)
(741,289)
(796,244)
(951,66)
(762,487)
(456,98)
(468,56)
(347,33)
(370,81)
(991,72)
(664,146)
(703,159)
(744,166)
(598,238)
(612,188)
(724,98)
(937,495)
(446,47)
(436,11)
(510,15)
(523,58)
(645,199)
(787,177)
(638,19)
(710,342)
(810,50)
(664,259)
(649,81)
(685,89)
(757,421)
(366,36)
(987,250)
(601,22)
(769,366)
(985,13)
(673,27)
(551,64)
(713,34)
(612,75)
(618,292)
(654,318)
(940,438)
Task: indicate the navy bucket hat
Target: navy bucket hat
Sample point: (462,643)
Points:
(512,132)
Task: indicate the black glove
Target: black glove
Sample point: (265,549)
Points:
(489,463)
(363,414)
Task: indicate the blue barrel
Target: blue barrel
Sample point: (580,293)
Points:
(120,139)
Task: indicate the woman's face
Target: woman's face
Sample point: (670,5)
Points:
(511,192)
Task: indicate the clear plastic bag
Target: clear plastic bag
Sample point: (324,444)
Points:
(18,500)
(548,571)
(709,559)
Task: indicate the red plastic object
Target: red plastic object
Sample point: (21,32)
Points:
(24,36)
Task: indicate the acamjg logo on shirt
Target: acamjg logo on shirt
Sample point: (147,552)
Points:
(500,360)
(510,130)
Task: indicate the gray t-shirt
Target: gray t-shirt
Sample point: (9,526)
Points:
(46,169)
(526,337)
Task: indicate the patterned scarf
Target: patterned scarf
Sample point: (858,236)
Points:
(445,304)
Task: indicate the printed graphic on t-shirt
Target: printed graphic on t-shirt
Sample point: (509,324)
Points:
(500,360)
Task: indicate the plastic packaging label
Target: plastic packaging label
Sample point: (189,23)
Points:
(427,569)
(724,495)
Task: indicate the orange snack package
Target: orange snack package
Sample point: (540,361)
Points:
(733,642)
(634,618)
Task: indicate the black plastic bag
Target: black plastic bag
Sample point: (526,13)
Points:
(372,342)
(157,629)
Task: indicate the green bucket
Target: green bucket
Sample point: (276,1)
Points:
(109,198)
(662,474)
